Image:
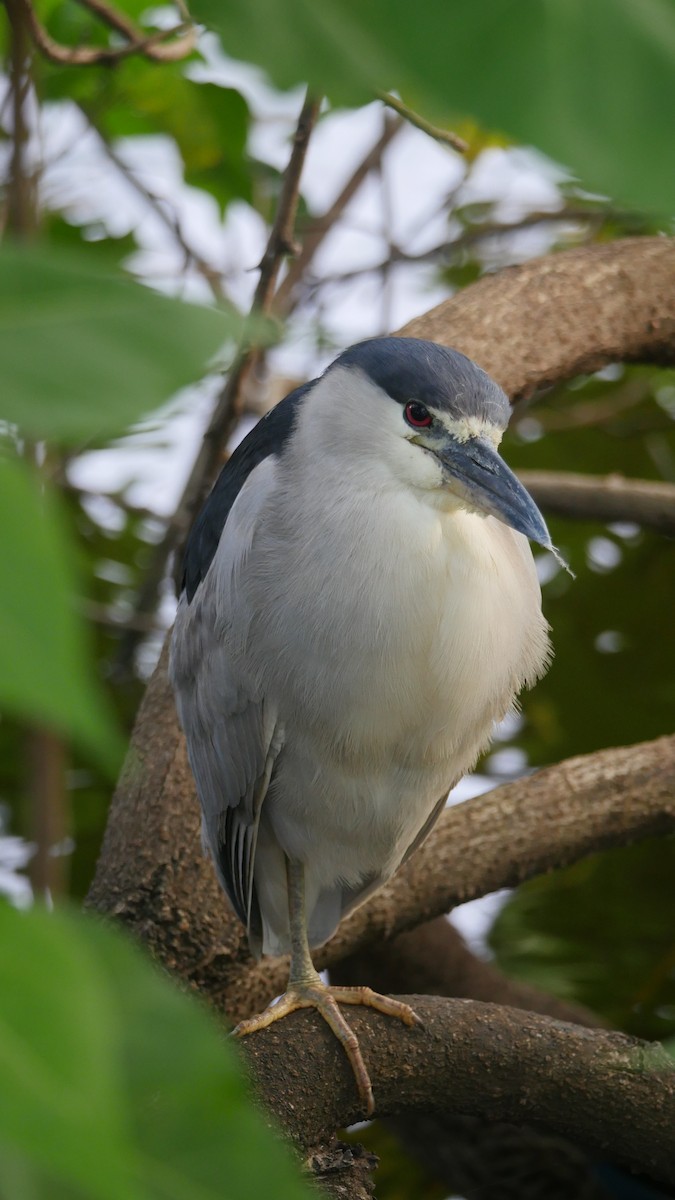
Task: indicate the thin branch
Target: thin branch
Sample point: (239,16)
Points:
(612,1094)
(228,405)
(413,118)
(604,498)
(472,237)
(160,207)
(315,233)
(115,618)
(49,808)
(22,216)
(279,245)
(152,46)
(586,413)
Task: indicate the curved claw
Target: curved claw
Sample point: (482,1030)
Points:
(325,1000)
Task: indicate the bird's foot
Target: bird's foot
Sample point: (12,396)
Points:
(325,1000)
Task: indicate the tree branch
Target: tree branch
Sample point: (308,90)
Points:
(152,46)
(316,231)
(567,314)
(604,498)
(159,207)
(610,1093)
(280,244)
(413,118)
(473,1157)
(451,248)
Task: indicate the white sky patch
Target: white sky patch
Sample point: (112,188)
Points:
(475,919)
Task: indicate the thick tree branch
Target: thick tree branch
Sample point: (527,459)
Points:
(435,959)
(610,1093)
(552,318)
(604,498)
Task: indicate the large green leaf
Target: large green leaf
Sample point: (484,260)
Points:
(85,351)
(114,1085)
(44,673)
(590,82)
(209,124)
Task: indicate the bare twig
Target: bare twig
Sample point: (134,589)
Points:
(472,237)
(21,197)
(586,413)
(413,118)
(280,244)
(49,810)
(317,230)
(159,206)
(604,498)
(114,618)
(152,46)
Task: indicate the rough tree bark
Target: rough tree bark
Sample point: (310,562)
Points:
(529,326)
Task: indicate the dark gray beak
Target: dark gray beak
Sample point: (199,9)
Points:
(478,474)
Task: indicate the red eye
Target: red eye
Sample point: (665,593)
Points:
(417,415)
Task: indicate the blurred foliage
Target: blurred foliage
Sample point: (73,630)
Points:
(109,350)
(576,80)
(114,1085)
(45,665)
(602,933)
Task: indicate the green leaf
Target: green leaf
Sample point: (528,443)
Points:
(209,124)
(114,1083)
(590,83)
(61,1099)
(44,673)
(85,351)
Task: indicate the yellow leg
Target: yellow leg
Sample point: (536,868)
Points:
(306,990)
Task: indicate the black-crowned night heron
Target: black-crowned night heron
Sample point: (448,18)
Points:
(360,607)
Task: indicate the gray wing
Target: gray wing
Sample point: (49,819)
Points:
(231,728)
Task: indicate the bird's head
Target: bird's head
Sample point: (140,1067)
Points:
(435,419)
